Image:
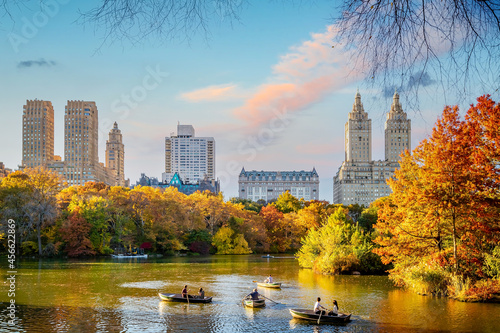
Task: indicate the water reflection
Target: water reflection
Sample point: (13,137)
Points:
(107,296)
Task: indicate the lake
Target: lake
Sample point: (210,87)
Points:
(121,295)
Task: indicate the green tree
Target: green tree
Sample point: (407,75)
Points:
(337,246)
(228,242)
(287,203)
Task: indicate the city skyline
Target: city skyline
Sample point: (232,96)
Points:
(272,92)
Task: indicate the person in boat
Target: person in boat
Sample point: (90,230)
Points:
(269,279)
(201,293)
(254,295)
(335,309)
(318,308)
(185,291)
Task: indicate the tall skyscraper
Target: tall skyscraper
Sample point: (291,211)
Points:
(115,155)
(397,131)
(38,133)
(193,158)
(358,133)
(360,180)
(81,142)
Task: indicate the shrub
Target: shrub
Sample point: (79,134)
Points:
(428,279)
(29,248)
(492,263)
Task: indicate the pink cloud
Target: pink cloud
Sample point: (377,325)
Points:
(212,93)
(302,77)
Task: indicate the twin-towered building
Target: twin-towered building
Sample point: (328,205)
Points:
(360,180)
(81,158)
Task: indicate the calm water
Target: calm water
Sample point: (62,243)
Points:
(122,296)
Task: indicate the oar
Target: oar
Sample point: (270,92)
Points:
(269,299)
(326,312)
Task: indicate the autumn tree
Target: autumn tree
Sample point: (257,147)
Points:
(276,230)
(75,232)
(212,207)
(443,211)
(30,196)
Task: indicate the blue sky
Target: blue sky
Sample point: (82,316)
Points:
(269,89)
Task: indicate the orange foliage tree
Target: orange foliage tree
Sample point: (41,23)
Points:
(444,208)
(75,231)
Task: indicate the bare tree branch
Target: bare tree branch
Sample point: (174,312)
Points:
(397,39)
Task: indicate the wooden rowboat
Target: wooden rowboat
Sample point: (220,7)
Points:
(269,285)
(178,298)
(311,316)
(252,303)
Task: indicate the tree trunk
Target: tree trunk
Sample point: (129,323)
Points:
(39,234)
(455,243)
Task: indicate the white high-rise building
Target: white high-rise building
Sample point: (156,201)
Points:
(360,180)
(193,158)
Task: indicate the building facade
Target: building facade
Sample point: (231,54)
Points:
(268,185)
(38,133)
(360,180)
(115,155)
(183,187)
(189,188)
(191,157)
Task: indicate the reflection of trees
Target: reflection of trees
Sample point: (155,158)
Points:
(67,319)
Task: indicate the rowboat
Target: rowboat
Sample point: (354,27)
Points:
(268,256)
(126,256)
(311,316)
(269,285)
(252,303)
(178,298)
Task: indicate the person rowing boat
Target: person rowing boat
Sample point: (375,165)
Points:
(184,292)
(318,308)
(254,295)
